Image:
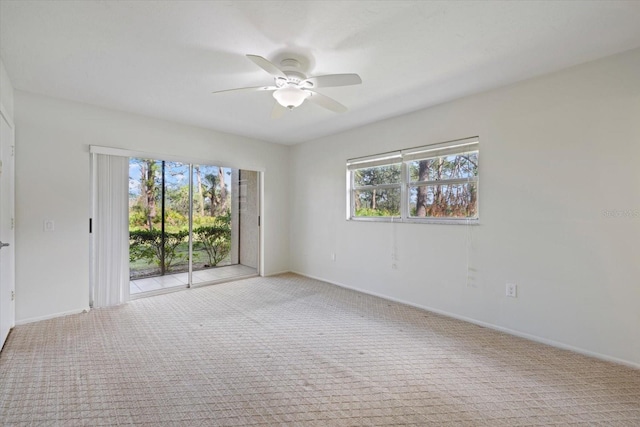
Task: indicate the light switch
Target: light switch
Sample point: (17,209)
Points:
(49,225)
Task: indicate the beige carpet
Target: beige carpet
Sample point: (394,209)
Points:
(288,350)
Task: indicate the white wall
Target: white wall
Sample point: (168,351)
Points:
(6,91)
(52,152)
(556,152)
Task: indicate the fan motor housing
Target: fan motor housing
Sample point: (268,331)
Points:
(292,69)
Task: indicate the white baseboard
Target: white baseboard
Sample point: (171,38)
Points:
(51,316)
(524,335)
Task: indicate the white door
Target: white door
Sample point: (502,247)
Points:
(7,250)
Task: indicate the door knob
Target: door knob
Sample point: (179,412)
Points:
(2,245)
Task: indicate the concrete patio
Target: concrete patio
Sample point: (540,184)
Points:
(178,280)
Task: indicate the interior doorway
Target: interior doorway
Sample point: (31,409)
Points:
(190,224)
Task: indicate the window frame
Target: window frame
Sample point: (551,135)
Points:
(404,158)
(378,160)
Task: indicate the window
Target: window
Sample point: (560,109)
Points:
(434,183)
(377,191)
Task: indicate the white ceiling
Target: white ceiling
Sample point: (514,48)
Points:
(163,59)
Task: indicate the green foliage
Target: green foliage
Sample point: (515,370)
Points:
(376,212)
(147,244)
(211,220)
(137,218)
(377,201)
(430,192)
(441,199)
(174,220)
(215,240)
(212,234)
(178,199)
(200,221)
(378,175)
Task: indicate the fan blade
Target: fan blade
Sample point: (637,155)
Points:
(278,110)
(247,89)
(326,102)
(332,80)
(267,65)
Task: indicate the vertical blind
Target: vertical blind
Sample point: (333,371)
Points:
(110,275)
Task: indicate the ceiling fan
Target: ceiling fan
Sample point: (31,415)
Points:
(292,87)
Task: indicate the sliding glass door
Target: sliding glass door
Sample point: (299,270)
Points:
(212,195)
(186,224)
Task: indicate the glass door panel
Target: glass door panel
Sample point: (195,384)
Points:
(220,203)
(176,218)
(212,195)
(145,218)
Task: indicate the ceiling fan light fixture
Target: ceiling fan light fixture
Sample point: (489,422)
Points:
(290,96)
(293,86)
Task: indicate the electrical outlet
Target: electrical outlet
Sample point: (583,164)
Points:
(512,290)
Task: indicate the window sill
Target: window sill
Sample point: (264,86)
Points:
(474,221)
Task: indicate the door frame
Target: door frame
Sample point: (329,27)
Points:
(8,292)
(96,149)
